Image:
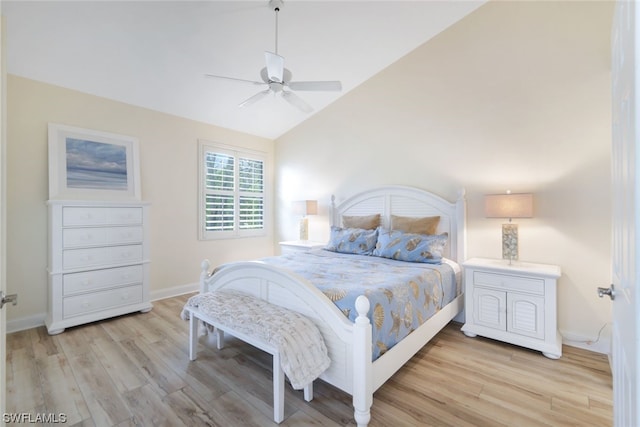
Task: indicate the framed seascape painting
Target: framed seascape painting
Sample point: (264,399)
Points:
(88,164)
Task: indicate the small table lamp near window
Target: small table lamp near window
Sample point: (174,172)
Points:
(304,208)
(509,206)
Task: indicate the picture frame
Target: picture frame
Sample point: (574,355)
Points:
(92,165)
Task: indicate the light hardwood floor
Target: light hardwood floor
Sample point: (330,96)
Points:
(134,370)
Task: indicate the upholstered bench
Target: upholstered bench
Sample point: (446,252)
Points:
(265,326)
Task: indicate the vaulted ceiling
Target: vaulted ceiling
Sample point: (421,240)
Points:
(154,54)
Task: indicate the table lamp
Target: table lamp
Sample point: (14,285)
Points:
(509,206)
(304,208)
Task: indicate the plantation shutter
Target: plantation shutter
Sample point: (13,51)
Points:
(251,194)
(234,193)
(220,185)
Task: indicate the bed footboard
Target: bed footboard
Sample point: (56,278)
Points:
(348,344)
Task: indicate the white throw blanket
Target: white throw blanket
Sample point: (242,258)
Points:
(303,354)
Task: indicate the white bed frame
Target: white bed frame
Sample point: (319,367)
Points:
(349,344)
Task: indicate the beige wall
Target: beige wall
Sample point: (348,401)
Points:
(515,96)
(168,165)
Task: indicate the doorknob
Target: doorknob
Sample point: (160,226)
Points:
(607,291)
(4,299)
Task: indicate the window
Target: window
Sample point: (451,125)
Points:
(232,192)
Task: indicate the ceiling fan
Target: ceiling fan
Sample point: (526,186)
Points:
(278,79)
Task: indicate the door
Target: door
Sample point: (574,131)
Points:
(3,210)
(626,208)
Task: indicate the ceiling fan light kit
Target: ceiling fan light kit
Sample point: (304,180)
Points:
(278,79)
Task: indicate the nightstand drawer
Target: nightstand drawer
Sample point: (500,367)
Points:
(504,281)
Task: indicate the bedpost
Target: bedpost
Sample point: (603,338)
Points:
(362,364)
(461,220)
(204,275)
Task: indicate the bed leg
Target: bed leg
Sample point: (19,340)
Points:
(362,368)
(193,336)
(278,390)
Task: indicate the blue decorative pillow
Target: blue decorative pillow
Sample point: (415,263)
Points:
(352,240)
(411,247)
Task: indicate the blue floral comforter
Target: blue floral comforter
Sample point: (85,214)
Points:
(403,295)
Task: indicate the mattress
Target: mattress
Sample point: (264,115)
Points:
(403,295)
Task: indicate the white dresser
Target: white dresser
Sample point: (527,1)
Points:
(98,261)
(513,303)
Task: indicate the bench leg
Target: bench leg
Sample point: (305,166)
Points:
(193,337)
(220,338)
(278,390)
(308,392)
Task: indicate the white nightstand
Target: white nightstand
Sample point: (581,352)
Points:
(513,303)
(299,246)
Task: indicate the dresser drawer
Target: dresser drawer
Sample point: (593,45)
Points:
(88,303)
(81,237)
(508,282)
(91,257)
(75,283)
(87,216)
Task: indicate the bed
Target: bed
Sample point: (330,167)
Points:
(357,366)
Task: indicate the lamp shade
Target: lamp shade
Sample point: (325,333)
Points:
(508,205)
(305,207)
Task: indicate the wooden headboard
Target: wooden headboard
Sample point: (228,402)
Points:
(413,202)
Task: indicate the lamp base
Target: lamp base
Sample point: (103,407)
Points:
(304,228)
(510,242)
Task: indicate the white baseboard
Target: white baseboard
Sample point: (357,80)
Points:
(37,320)
(26,322)
(599,345)
(175,291)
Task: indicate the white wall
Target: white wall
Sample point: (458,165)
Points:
(169,169)
(515,96)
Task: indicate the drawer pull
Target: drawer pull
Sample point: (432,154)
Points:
(86,304)
(125,296)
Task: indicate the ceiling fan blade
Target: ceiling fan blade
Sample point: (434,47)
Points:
(275,66)
(296,101)
(255,98)
(330,86)
(213,76)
